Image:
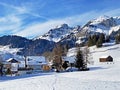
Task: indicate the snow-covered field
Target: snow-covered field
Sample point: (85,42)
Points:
(102,76)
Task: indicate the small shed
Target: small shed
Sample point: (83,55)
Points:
(106,59)
(10,66)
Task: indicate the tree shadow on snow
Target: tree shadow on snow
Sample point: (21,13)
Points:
(96,68)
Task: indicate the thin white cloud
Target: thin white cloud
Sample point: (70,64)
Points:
(85,17)
(9,23)
(12,22)
(114,12)
(40,28)
(36,29)
(17,10)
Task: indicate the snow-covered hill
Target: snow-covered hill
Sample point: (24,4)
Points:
(58,33)
(102,76)
(6,52)
(7,49)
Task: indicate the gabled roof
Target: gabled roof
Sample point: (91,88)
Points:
(12,60)
(105,56)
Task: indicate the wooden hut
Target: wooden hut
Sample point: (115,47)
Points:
(106,59)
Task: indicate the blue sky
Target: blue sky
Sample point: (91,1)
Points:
(30,18)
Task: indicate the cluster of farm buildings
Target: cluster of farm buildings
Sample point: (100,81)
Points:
(27,64)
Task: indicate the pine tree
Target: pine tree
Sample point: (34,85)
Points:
(107,39)
(90,41)
(79,60)
(101,40)
(99,44)
(94,38)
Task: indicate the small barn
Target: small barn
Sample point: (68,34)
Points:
(106,59)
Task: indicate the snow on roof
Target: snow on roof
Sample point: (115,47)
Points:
(103,56)
(12,60)
(18,57)
(36,60)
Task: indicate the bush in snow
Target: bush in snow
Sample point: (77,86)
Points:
(65,65)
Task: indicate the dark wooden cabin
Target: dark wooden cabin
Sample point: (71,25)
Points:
(106,59)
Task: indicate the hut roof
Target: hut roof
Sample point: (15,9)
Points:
(12,60)
(36,60)
(103,56)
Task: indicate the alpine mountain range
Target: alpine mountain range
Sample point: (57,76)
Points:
(63,34)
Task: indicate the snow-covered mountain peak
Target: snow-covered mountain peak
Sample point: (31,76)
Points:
(104,17)
(117,17)
(56,34)
(100,19)
(63,26)
(102,24)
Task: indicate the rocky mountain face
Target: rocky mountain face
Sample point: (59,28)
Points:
(57,33)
